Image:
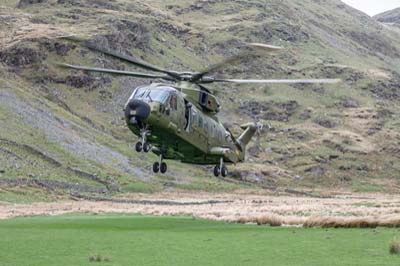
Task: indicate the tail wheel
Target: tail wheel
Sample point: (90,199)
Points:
(163,168)
(217,171)
(224,171)
(146,147)
(139,147)
(156,167)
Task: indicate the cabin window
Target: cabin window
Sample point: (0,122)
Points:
(188,107)
(203,98)
(194,117)
(200,121)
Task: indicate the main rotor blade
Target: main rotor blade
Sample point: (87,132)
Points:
(255,48)
(126,58)
(264,47)
(115,72)
(280,81)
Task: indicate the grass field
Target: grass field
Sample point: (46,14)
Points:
(141,240)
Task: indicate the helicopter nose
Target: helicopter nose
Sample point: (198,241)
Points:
(137,111)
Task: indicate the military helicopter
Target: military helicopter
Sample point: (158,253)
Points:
(177,119)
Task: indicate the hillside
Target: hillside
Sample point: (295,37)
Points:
(391,16)
(62,132)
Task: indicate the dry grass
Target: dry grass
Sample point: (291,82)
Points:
(341,211)
(324,222)
(333,222)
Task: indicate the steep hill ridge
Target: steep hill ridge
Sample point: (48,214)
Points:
(55,122)
(391,16)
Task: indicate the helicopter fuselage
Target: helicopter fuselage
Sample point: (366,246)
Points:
(178,128)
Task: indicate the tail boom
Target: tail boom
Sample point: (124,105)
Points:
(249,130)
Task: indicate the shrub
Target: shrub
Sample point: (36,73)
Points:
(95,258)
(271,220)
(394,248)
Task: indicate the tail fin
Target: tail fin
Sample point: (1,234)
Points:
(249,130)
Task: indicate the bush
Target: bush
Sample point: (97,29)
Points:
(95,258)
(394,247)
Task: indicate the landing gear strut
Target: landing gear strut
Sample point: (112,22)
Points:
(160,166)
(220,169)
(143,145)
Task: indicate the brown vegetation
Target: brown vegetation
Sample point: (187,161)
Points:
(340,211)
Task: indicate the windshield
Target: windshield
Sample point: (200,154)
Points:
(158,95)
(140,93)
(154,94)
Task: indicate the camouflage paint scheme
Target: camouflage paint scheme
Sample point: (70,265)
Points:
(204,141)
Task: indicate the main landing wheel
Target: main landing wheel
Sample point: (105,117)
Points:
(156,167)
(163,168)
(146,147)
(160,167)
(220,169)
(217,171)
(224,171)
(139,147)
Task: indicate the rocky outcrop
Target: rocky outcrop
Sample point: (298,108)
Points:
(275,111)
(123,35)
(21,55)
(24,3)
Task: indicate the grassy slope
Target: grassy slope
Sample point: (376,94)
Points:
(136,240)
(190,36)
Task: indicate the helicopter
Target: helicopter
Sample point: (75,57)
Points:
(177,119)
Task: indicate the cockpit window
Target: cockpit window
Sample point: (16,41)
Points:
(140,93)
(158,95)
(154,94)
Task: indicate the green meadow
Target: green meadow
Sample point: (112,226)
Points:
(141,240)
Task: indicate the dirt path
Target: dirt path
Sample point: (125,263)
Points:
(239,208)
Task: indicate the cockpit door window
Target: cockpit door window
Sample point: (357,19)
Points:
(173,102)
(139,93)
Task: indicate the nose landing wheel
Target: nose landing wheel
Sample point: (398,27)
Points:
(143,145)
(160,166)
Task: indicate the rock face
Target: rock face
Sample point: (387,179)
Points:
(124,35)
(24,3)
(21,55)
(392,16)
(269,110)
